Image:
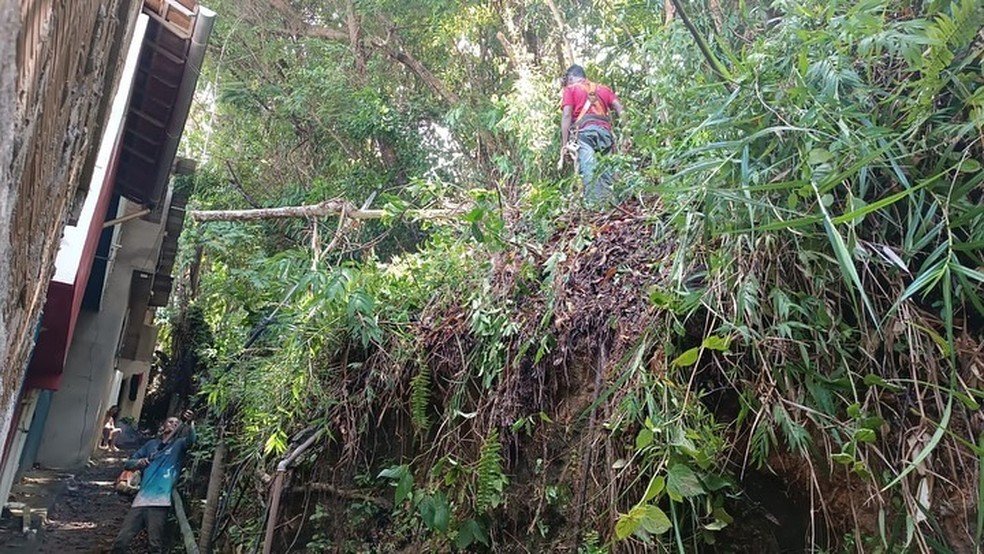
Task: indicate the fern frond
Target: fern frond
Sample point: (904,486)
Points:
(491,480)
(420,398)
(947,36)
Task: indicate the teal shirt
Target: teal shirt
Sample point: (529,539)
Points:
(158,478)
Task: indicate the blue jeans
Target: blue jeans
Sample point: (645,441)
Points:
(592,141)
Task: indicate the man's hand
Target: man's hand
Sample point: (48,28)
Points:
(568,149)
(188,416)
(626,146)
(142,463)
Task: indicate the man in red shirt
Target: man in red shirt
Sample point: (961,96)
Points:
(586,107)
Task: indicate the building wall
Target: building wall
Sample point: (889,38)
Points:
(17,439)
(9,22)
(86,391)
(133,369)
(52,151)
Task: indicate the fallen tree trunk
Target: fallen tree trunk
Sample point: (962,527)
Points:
(321,209)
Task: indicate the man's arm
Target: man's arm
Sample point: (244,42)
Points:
(626,140)
(192,436)
(134,462)
(617,106)
(565,125)
(188,434)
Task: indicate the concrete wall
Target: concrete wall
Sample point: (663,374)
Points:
(132,369)
(9,23)
(52,104)
(86,391)
(12,463)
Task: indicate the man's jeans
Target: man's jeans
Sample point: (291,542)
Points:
(592,141)
(152,517)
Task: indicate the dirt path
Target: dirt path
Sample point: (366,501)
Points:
(85,515)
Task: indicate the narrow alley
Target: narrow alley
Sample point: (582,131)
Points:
(83,511)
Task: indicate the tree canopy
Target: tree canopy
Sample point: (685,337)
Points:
(784,296)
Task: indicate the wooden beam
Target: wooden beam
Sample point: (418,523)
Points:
(126,218)
(322,209)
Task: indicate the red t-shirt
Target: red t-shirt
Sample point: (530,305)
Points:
(576,96)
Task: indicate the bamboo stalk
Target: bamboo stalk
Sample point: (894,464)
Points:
(186,533)
(716,66)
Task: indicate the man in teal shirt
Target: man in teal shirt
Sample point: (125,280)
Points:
(160,460)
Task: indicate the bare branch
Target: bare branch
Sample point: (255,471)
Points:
(565,45)
(298,26)
(322,209)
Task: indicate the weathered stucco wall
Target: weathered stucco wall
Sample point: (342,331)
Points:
(53,102)
(9,18)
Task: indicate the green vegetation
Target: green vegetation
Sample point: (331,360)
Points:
(773,342)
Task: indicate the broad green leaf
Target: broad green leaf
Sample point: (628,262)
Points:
(713,481)
(819,156)
(626,525)
(470,532)
(403,488)
(714,342)
(865,435)
(393,472)
(842,458)
(682,482)
(654,520)
(687,358)
(643,439)
(442,512)
(655,487)
(970,165)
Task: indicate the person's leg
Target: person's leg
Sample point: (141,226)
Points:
(591,142)
(132,524)
(112,439)
(156,516)
(585,158)
(603,146)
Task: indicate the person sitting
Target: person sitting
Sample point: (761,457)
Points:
(110,431)
(160,460)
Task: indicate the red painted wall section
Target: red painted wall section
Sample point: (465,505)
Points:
(64,301)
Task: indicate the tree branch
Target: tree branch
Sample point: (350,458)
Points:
(565,45)
(297,25)
(716,66)
(328,207)
(239,185)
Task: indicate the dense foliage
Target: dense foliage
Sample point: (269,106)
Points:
(774,340)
